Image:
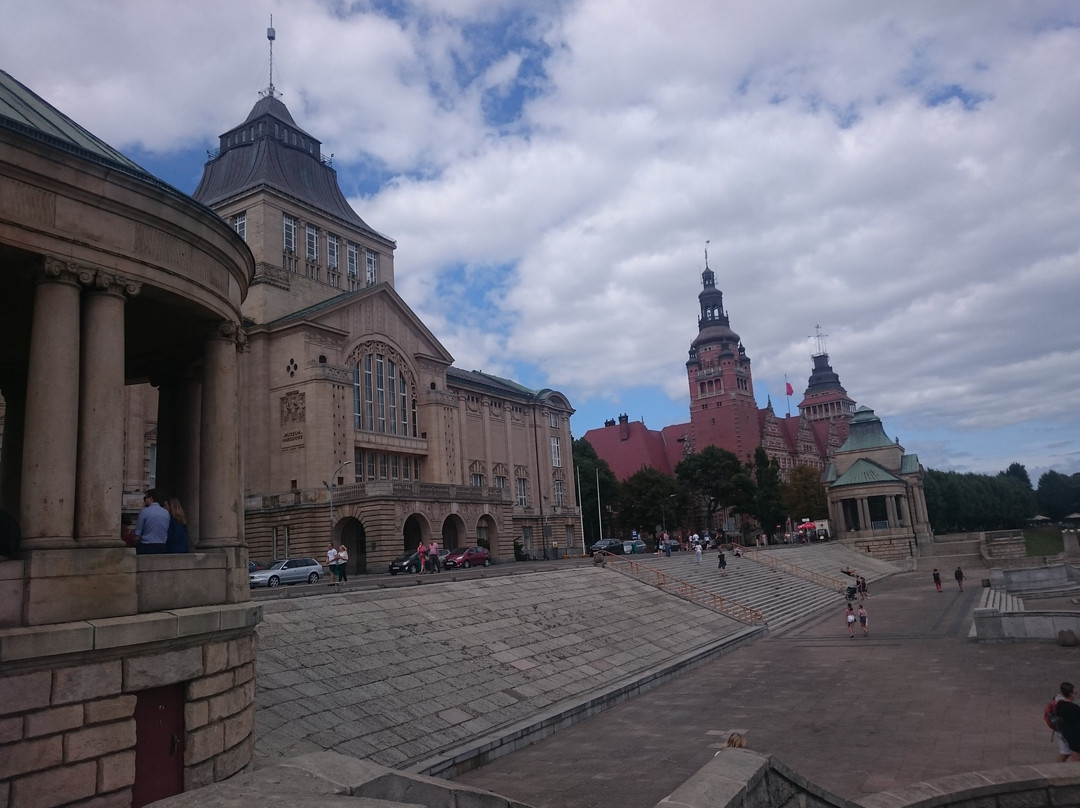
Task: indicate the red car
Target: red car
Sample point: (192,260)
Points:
(469,557)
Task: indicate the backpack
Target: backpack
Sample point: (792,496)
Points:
(1050,716)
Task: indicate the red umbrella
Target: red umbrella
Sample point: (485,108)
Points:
(807,526)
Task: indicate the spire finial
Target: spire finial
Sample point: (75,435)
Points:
(707,253)
(820,339)
(271,35)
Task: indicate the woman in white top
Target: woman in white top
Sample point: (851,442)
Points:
(343,564)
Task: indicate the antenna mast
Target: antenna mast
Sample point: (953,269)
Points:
(271,35)
(819,338)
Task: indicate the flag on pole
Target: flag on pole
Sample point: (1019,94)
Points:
(790,391)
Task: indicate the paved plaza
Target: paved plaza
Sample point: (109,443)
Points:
(399,675)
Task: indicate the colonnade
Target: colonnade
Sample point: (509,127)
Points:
(70,494)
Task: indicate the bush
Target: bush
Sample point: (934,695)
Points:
(519,551)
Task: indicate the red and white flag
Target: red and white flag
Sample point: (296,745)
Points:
(790,391)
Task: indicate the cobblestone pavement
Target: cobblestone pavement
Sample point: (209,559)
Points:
(914,700)
(398,675)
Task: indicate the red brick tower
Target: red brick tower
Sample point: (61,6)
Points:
(723,412)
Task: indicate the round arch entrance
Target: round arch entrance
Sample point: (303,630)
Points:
(350,532)
(487,534)
(413,532)
(453,533)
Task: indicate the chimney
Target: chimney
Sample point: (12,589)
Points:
(624,427)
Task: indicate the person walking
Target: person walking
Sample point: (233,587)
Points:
(176,540)
(697,552)
(152,526)
(849,618)
(1068,723)
(331,562)
(343,564)
(722,563)
(1065,693)
(860,587)
(863,617)
(421,553)
(433,557)
(959,576)
(937,579)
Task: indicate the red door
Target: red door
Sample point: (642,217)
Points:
(159,745)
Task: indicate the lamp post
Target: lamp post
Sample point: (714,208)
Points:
(663,510)
(330,488)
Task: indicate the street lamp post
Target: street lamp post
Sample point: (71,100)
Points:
(330,488)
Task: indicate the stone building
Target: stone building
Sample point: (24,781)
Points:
(875,492)
(124,678)
(356,424)
(723,410)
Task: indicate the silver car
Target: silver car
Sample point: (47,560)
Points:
(287,571)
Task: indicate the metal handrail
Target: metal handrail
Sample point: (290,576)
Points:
(684,589)
(801,572)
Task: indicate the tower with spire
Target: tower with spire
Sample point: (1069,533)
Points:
(723,411)
(825,399)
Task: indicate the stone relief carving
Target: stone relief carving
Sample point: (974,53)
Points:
(293,408)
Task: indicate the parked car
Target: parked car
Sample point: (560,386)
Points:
(610,545)
(407,563)
(469,557)
(633,547)
(252,566)
(287,571)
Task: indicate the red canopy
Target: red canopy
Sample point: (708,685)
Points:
(807,526)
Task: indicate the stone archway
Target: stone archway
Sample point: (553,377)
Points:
(350,532)
(487,534)
(413,532)
(454,536)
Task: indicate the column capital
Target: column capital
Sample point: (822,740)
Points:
(110,283)
(227,331)
(53,270)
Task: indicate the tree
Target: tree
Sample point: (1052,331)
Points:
(649,498)
(1058,495)
(718,479)
(768,506)
(590,468)
(962,502)
(1018,472)
(803,495)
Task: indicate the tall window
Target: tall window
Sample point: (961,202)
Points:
(553,419)
(380,396)
(350,252)
(476,480)
(288,235)
(240,225)
(522,492)
(312,244)
(559,495)
(372,268)
(500,481)
(332,251)
(556,460)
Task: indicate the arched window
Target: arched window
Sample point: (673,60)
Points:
(381,396)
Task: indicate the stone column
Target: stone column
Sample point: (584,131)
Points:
(100,463)
(890,511)
(864,514)
(189,426)
(50,434)
(220,508)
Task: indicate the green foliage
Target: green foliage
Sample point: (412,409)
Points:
(519,551)
(768,506)
(1043,541)
(717,478)
(649,498)
(803,495)
(589,468)
(962,502)
(1018,471)
(1058,495)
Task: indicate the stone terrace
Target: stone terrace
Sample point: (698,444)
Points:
(401,676)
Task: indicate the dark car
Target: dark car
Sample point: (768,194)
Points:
(287,571)
(609,545)
(406,563)
(253,566)
(469,557)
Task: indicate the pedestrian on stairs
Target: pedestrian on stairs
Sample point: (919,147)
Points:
(863,618)
(959,576)
(860,587)
(697,552)
(937,579)
(723,562)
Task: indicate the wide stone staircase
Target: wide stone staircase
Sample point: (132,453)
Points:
(786,584)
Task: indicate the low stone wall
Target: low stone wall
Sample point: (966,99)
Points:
(1046,576)
(887,548)
(994,626)
(68,726)
(1014,787)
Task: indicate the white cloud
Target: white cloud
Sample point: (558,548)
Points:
(936,245)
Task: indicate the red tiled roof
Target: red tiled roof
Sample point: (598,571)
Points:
(641,448)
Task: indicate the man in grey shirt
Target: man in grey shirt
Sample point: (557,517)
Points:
(152,526)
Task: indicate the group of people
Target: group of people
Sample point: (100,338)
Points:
(850,616)
(337,559)
(958,575)
(161,526)
(429,556)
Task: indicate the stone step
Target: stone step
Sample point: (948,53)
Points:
(1000,600)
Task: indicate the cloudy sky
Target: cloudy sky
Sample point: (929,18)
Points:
(904,175)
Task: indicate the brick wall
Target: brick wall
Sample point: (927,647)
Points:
(67,733)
